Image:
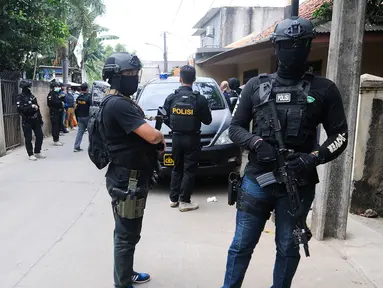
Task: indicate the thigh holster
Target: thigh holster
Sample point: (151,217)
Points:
(130,203)
(256,207)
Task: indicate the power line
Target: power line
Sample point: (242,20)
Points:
(175,17)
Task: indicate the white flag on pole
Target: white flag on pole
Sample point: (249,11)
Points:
(79,49)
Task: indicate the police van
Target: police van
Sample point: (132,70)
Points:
(219,156)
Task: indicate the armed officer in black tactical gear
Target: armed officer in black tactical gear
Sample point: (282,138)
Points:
(186,109)
(56,108)
(32,120)
(132,145)
(303,101)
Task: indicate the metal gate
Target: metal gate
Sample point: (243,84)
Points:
(9,90)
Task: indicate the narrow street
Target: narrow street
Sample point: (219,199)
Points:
(57,226)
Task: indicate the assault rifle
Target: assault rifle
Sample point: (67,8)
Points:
(301,233)
(159,118)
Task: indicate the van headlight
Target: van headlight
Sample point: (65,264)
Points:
(223,138)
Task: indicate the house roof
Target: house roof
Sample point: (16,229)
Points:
(306,10)
(326,28)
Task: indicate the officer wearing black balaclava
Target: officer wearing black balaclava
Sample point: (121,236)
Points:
(303,101)
(56,109)
(132,145)
(32,120)
(234,85)
(235,91)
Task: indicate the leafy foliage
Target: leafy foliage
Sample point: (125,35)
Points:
(96,54)
(374,12)
(27,27)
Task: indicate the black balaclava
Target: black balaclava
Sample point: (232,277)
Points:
(127,85)
(292,57)
(26,90)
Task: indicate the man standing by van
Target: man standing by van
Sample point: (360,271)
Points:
(186,109)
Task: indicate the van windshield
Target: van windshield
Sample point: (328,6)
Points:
(154,95)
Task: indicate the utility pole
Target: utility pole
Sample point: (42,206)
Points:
(165,54)
(65,51)
(65,64)
(331,205)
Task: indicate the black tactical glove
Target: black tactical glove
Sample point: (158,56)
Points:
(264,151)
(302,164)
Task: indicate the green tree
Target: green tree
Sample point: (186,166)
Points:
(374,12)
(120,48)
(27,27)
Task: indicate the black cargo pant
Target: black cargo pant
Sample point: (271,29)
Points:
(56,121)
(186,149)
(127,232)
(29,125)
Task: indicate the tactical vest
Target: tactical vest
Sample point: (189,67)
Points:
(183,111)
(291,102)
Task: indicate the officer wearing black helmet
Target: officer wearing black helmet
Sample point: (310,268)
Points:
(56,109)
(303,101)
(132,145)
(32,120)
(186,110)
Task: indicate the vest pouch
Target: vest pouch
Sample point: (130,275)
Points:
(294,120)
(261,125)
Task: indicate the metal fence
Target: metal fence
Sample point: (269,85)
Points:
(9,90)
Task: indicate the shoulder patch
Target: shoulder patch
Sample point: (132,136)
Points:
(310,99)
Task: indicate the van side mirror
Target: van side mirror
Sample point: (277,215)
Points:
(233,100)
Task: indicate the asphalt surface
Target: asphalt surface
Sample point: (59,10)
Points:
(56,230)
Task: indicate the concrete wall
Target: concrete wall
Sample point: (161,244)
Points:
(215,22)
(264,17)
(372,62)
(367,188)
(41,89)
(233,23)
(238,22)
(218,73)
(263,65)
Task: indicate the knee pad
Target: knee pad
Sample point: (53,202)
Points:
(254,206)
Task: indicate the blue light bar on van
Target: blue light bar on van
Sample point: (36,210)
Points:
(164,76)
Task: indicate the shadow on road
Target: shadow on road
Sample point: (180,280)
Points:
(208,185)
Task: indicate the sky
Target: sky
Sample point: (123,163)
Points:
(137,22)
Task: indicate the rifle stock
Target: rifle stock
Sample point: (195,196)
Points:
(301,233)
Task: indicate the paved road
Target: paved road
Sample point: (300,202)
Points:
(56,231)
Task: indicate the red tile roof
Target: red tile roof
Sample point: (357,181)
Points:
(306,10)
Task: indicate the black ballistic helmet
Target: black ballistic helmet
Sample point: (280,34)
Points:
(293,28)
(54,84)
(234,83)
(119,62)
(25,84)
